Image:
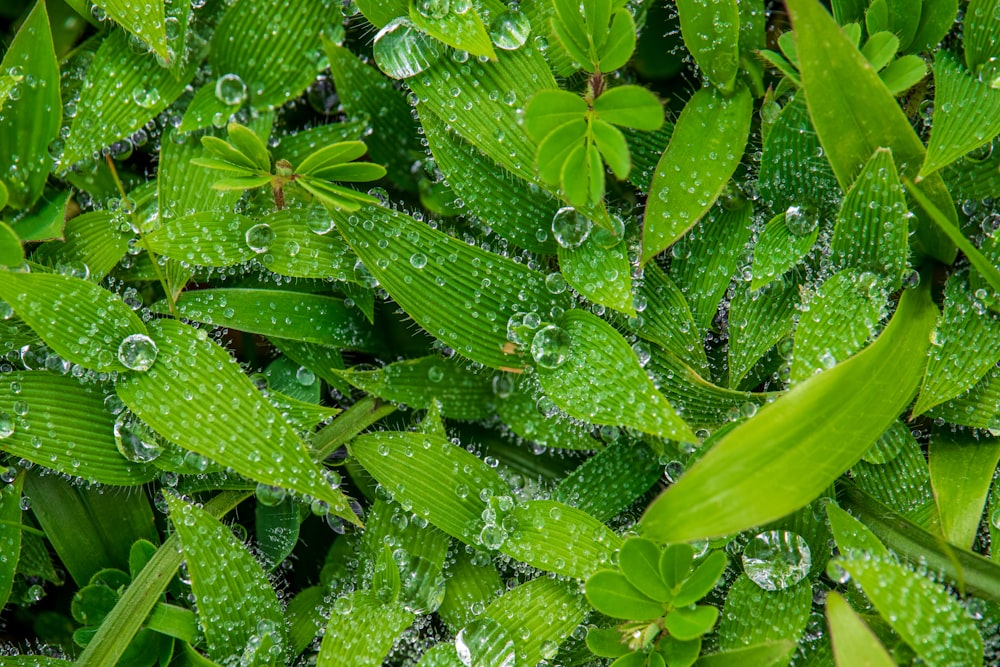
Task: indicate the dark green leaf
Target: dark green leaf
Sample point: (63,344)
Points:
(463,31)
(753,616)
(979,37)
(611,594)
(92,240)
(11,251)
(778,249)
(936,19)
(606,642)
(611,480)
(757,321)
(711,33)
(277,531)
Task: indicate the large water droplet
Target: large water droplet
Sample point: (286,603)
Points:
(570,227)
(550,346)
(989,72)
(135,441)
(402,51)
(137,352)
(510,30)
(422,586)
(801,220)
(6,425)
(260,237)
(777,559)
(485,643)
(230,89)
(147,98)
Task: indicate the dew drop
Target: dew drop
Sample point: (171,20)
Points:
(6,425)
(137,352)
(230,90)
(402,51)
(483,642)
(260,237)
(570,227)
(550,346)
(135,441)
(510,30)
(777,559)
(801,220)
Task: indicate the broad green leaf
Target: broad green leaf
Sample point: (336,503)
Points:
(473,582)
(11,250)
(380,12)
(31,119)
(630,106)
(123,91)
(231,574)
(966,113)
(936,19)
(758,320)
(598,357)
(922,612)
(903,19)
(979,407)
(842,317)
(435,277)
(898,476)
(753,616)
(559,538)
(779,249)
(606,642)
(733,486)
(303,617)
(64,425)
(711,33)
(611,480)
(639,560)
(204,239)
(962,470)
(620,43)
(674,652)
(903,73)
(548,110)
(47,221)
(462,393)
(966,345)
(275,65)
(686,185)
(836,78)
(854,644)
(196,396)
(89,529)
(645,149)
(702,580)
(463,31)
(410,465)
(613,148)
(675,564)
(880,49)
(92,240)
(687,623)
(599,269)
(872,231)
(81,322)
(323,361)
(767,654)
(206,109)
(299,251)
(145,22)
(529,416)
(10,534)
(508,206)
(980,39)
(610,593)
(310,318)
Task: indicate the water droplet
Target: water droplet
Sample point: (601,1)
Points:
(801,220)
(485,643)
(510,30)
(147,98)
(305,377)
(550,346)
(989,72)
(402,51)
(418,260)
(269,495)
(570,228)
(260,237)
(137,352)
(230,90)
(6,425)
(777,559)
(492,537)
(433,9)
(135,441)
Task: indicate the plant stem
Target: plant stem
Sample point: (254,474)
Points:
(352,421)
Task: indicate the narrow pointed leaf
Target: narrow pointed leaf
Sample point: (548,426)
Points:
(758,321)
(979,36)
(213,408)
(685,185)
(733,486)
(614,149)
(145,22)
(767,654)
(10,534)
(962,470)
(240,184)
(711,33)
(894,472)
(778,250)
(250,145)
(354,172)
(329,156)
(600,272)
(854,644)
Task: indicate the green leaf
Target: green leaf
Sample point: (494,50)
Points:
(711,33)
(853,537)
(204,239)
(753,616)
(599,269)
(854,644)
(463,31)
(518,408)
(239,183)
(903,73)
(685,184)
(613,147)
(81,322)
(248,143)
(894,471)
(559,538)
(880,49)
(767,654)
(922,612)
(606,642)
(32,119)
(487,289)
(385,580)
(236,426)
(146,23)
(620,43)
(611,480)
(462,393)
(686,624)
(206,109)
(570,26)
(275,65)
(66,427)
(10,534)
(309,318)
(582,176)
(639,560)
(599,357)
(238,161)
(733,486)
(758,321)
(630,106)
(330,156)
(277,531)
(962,470)
(92,240)
(675,564)
(836,77)
(554,150)
(355,172)
(700,582)
(936,19)
(299,251)
(472,584)
(123,91)
(231,574)
(966,113)
(779,249)
(11,251)
(611,594)
(409,464)
(979,35)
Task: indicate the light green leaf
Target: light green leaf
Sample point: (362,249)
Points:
(711,33)
(92,240)
(309,318)
(613,147)
(753,616)
(194,382)
(854,644)
(599,271)
(610,593)
(462,393)
(453,278)
(296,145)
(238,183)
(32,119)
(472,584)
(47,221)
(248,143)
(880,49)
(598,357)
(768,654)
(922,612)
(702,580)
(380,12)
(329,156)
(582,176)
(410,465)
(463,31)
(733,486)
(81,322)
(778,249)
(758,320)
(611,480)
(685,184)
(231,574)
(67,428)
(837,79)
(11,251)
(966,113)
(299,251)
(228,153)
(554,150)
(936,19)
(146,22)
(206,109)
(10,534)
(903,73)
(204,239)
(962,468)
(606,642)
(559,538)
(630,106)
(617,49)
(979,36)
(853,537)
(123,91)
(274,65)
(639,560)
(686,623)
